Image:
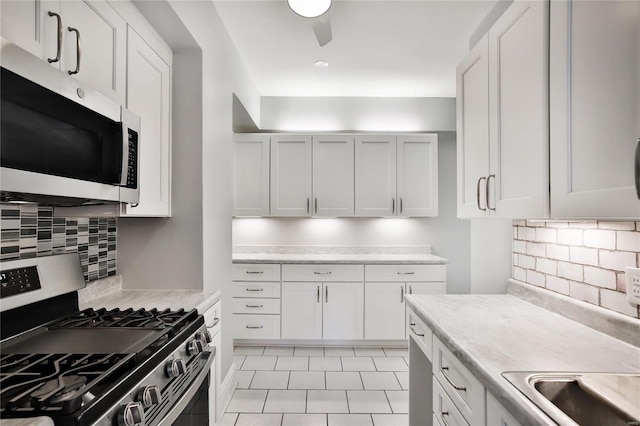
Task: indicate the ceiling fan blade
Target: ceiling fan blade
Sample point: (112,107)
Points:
(322,28)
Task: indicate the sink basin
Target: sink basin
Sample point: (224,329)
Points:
(582,398)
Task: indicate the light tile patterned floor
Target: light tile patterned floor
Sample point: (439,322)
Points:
(287,386)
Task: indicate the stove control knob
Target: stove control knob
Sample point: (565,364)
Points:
(175,368)
(205,336)
(195,346)
(149,396)
(131,414)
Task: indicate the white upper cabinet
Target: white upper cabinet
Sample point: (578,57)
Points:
(472,105)
(333,188)
(375,175)
(417,175)
(502,108)
(291,162)
(518,112)
(149,96)
(251,175)
(594,108)
(86,39)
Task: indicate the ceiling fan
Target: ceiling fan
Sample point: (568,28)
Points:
(317,11)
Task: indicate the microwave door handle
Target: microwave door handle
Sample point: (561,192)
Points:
(124,174)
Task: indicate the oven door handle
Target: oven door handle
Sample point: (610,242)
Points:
(185,399)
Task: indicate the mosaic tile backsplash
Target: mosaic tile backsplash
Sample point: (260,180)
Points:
(583,260)
(29,230)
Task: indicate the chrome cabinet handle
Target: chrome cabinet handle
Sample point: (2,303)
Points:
(410,289)
(401,294)
(308,205)
(315,203)
(318,295)
(326,294)
(442,414)
(254,306)
(401,208)
(322,273)
(59,46)
(254,272)
(405,273)
(412,327)
(478,194)
(254,289)
(393,206)
(78,50)
(458,388)
(255,326)
(487,192)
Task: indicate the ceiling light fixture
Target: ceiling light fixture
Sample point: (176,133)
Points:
(309,8)
(321,64)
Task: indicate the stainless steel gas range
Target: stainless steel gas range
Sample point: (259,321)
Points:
(96,366)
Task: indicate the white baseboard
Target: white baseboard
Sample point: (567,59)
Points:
(226,389)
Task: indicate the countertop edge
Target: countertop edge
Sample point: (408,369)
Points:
(112,299)
(345,262)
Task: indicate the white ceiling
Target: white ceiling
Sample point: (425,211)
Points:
(389,48)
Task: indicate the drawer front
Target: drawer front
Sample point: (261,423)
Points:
(256,326)
(322,273)
(256,289)
(466,392)
(256,306)
(256,272)
(405,273)
(444,410)
(212,318)
(420,333)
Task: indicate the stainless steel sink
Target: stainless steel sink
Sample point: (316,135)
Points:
(582,398)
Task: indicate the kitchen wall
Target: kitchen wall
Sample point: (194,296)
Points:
(448,236)
(28,231)
(583,260)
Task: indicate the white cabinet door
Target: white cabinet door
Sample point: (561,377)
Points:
(27,23)
(518,109)
(333,186)
(343,311)
(375,169)
(101,62)
(149,96)
(472,104)
(595,108)
(251,175)
(291,175)
(497,414)
(417,175)
(301,312)
(384,310)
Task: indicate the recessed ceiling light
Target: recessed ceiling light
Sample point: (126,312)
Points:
(321,64)
(309,8)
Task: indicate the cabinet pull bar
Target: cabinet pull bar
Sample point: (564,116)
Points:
(412,327)
(322,273)
(215,322)
(255,326)
(78,51)
(59,46)
(410,289)
(254,272)
(478,194)
(315,203)
(442,414)
(254,306)
(401,294)
(405,273)
(458,388)
(326,294)
(393,206)
(308,205)
(318,296)
(401,208)
(487,192)
(254,289)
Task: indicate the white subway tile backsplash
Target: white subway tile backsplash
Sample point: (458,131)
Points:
(547,266)
(600,238)
(583,255)
(617,260)
(628,241)
(570,271)
(618,226)
(526,262)
(584,292)
(570,236)
(535,278)
(553,224)
(583,225)
(617,301)
(546,235)
(559,285)
(557,252)
(600,277)
(520,274)
(519,246)
(535,249)
(527,234)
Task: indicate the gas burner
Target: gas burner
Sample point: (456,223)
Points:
(151,318)
(58,390)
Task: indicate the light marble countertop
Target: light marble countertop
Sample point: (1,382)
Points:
(160,299)
(346,258)
(31,421)
(491,334)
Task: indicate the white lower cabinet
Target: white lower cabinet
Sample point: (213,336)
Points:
(445,412)
(301,310)
(497,414)
(212,321)
(256,301)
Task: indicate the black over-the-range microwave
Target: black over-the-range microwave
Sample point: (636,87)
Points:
(62,143)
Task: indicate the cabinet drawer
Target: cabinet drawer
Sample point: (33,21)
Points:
(256,326)
(406,273)
(444,410)
(466,392)
(421,334)
(256,306)
(256,289)
(322,273)
(212,318)
(256,272)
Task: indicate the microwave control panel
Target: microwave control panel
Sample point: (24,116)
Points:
(132,165)
(18,281)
